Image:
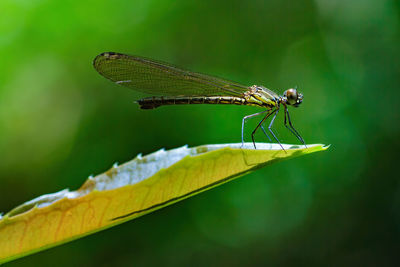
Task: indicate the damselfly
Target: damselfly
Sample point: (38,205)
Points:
(174,86)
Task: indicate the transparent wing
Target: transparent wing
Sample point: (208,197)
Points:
(159,78)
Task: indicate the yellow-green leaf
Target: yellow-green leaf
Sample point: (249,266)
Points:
(133,189)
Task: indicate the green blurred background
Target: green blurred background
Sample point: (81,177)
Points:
(60,122)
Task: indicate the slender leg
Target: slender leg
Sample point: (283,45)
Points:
(270,128)
(260,125)
(262,128)
(248,117)
(291,128)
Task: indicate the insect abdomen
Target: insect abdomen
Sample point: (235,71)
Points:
(155,102)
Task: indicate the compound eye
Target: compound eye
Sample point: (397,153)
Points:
(291,96)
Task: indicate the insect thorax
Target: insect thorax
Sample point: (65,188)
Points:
(259,96)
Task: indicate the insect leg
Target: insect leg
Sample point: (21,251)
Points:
(291,128)
(270,128)
(260,125)
(262,128)
(248,117)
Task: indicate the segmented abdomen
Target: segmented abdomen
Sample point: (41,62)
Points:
(155,102)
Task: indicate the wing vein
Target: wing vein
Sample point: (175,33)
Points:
(159,78)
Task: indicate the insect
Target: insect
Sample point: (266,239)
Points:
(175,86)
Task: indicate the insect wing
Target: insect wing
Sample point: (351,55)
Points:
(159,78)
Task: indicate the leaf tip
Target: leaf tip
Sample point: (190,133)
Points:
(325,147)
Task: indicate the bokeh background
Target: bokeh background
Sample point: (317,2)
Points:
(60,122)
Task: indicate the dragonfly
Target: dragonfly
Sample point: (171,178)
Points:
(171,85)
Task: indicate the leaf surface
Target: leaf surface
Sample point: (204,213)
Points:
(133,189)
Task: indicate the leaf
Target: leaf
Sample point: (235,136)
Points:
(133,189)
